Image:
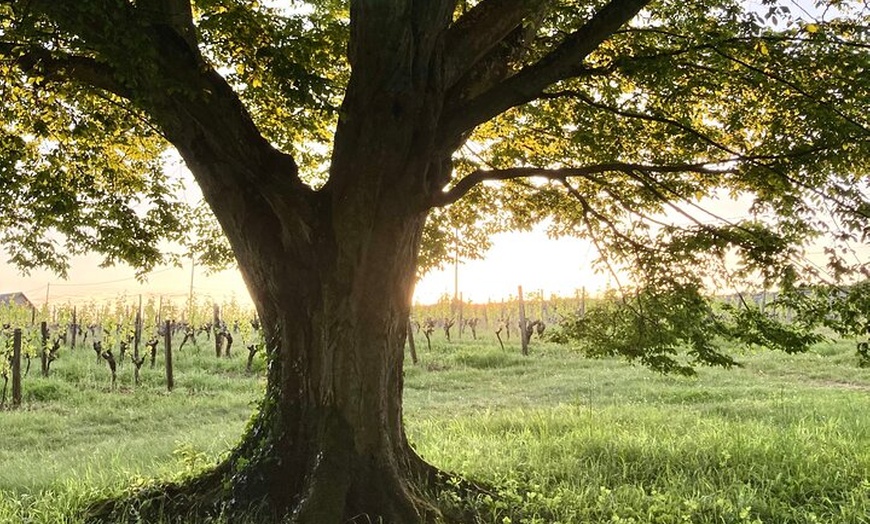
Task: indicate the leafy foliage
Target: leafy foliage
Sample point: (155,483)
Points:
(672,330)
(761,107)
(845,310)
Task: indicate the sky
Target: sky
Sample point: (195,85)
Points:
(528,259)
(532,260)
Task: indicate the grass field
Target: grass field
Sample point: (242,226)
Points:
(786,439)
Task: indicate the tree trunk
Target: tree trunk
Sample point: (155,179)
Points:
(328,444)
(332,277)
(331,273)
(333,410)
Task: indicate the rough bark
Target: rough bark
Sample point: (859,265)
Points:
(328,444)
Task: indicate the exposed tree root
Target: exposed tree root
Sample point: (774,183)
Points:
(328,497)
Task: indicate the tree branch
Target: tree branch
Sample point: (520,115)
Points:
(465,184)
(175,14)
(55,66)
(563,62)
(480,30)
(607,221)
(162,72)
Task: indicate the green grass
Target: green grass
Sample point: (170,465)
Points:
(76,436)
(561,438)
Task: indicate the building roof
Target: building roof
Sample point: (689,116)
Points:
(17,298)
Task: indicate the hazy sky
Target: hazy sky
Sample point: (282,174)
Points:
(528,259)
(531,260)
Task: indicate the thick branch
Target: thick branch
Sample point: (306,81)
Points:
(563,62)
(161,71)
(175,14)
(480,30)
(54,66)
(465,184)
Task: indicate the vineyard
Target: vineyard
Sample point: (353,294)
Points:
(130,340)
(120,393)
(562,438)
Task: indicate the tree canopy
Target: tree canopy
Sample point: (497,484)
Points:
(683,102)
(323,134)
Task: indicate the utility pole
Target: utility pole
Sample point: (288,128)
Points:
(455,270)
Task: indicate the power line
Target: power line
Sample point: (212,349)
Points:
(116,281)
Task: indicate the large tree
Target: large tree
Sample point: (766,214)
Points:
(323,133)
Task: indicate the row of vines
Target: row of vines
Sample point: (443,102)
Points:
(124,332)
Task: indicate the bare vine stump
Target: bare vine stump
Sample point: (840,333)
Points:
(113,366)
(221,336)
(216,322)
(472,324)
(124,346)
(524,331)
(53,355)
(98,349)
(152,348)
(448,323)
(252,350)
(189,334)
(137,365)
(428,329)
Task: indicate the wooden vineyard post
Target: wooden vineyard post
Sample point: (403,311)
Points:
(137,330)
(74,328)
(137,339)
(43,353)
(412,346)
(216,328)
(16,368)
(167,340)
(524,338)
